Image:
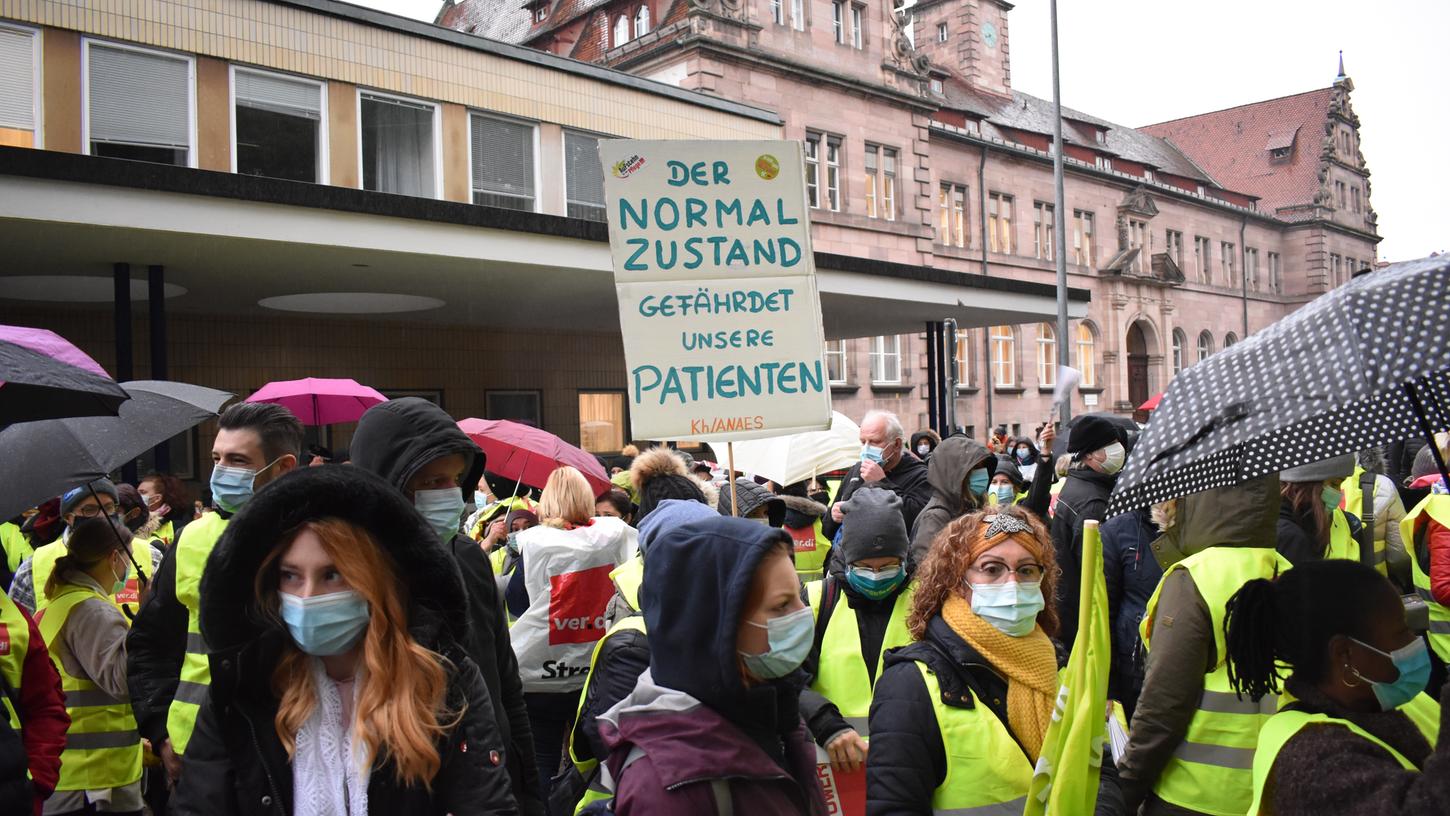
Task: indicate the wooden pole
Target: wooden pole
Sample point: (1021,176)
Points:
(734,501)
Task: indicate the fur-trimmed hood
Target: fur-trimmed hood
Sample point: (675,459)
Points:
(233,622)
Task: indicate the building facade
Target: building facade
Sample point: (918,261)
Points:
(1189,234)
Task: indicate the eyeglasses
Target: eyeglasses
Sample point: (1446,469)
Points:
(996,572)
(91,510)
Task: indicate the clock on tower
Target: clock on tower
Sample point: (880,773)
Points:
(989,35)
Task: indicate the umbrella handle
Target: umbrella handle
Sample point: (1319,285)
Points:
(1425,428)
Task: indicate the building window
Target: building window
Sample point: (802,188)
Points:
(138,105)
(880,182)
(19,65)
(966,360)
(777,11)
(1179,341)
(641,21)
(1173,245)
(1205,346)
(1138,239)
(1004,357)
(836,361)
(953,204)
(1202,257)
(1339,194)
(397,146)
(277,126)
(1087,354)
(1354,198)
(1336,270)
(502,163)
(524,407)
(1276,274)
(999,223)
(1226,263)
(1229,339)
(858,29)
(601,421)
(1251,268)
(1082,239)
(621,30)
(886,359)
(1100,135)
(583,176)
(541,14)
(936,86)
(1043,237)
(1046,355)
(823,179)
(941,32)
(838,20)
(798,15)
(1104,163)
(833,173)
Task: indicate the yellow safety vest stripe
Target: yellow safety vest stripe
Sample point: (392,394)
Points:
(102,747)
(841,675)
(1354,506)
(14,644)
(987,772)
(1437,507)
(596,791)
(198,539)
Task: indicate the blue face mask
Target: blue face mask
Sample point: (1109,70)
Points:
(871,453)
(1012,606)
(1005,494)
(231,487)
(790,639)
(978,481)
(1024,455)
(875,584)
(1413,663)
(442,509)
(325,625)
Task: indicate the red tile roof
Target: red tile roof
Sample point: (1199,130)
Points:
(1233,146)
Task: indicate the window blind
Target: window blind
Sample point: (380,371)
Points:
(279,94)
(17,79)
(503,156)
(584,177)
(139,98)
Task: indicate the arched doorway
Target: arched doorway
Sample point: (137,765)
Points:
(1138,388)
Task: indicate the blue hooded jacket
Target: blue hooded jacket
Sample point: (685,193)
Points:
(669,514)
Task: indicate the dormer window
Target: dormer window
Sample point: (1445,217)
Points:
(936,86)
(1104,163)
(1279,153)
(541,13)
(1101,136)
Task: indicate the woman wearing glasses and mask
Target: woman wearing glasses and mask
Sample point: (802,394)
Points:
(959,716)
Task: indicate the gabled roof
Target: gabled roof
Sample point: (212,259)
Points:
(1234,146)
(503,20)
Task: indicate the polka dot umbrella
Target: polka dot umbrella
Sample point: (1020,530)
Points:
(1362,366)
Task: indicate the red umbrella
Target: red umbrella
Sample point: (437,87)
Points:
(1151,403)
(529,455)
(318,401)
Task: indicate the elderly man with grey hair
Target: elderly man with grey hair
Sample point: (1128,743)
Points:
(887,464)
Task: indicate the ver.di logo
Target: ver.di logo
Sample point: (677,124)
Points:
(767,166)
(624,168)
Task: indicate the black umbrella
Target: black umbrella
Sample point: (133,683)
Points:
(1362,366)
(37,386)
(46,458)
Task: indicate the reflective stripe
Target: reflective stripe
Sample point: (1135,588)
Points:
(102,739)
(1439,627)
(1229,703)
(1220,755)
(1012,808)
(1425,594)
(90,697)
(195,643)
(194,693)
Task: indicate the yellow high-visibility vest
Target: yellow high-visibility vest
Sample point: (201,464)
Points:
(1434,506)
(596,791)
(987,771)
(841,676)
(198,539)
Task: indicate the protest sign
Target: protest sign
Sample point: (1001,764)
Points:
(845,793)
(717,292)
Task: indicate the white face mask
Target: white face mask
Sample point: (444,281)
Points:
(1114,457)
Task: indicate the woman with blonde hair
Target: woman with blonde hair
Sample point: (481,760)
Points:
(560,593)
(959,717)
(332,615)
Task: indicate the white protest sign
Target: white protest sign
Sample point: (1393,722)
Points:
(717,292)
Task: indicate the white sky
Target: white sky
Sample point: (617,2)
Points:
(1136,62)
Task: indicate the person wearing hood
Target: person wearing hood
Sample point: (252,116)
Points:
(620,657)
(802,520)
(959,474)
(1387,509)
(167,497)
(256,443)
(1098,447)
(860,610)
(416,447)
(1360,737)
(1132,572)
(923,442)
(336,620)
(659,474)
(1190,741)
(560,593)
(885,463)
(1025,454)
(100,768)
(502,543)
(1311,523)
(756,503)
(94,499)
(1426,533)
(713,726)
(961,715)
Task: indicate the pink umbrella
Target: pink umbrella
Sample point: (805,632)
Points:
(529,455)
(51,345)
(318,401)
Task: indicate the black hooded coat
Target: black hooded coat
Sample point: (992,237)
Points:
(394,440)
(235,762)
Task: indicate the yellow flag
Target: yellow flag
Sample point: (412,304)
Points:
(1066,778)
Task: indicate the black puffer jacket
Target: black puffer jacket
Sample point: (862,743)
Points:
(907,480)
(235,763)
(907,760)
(1083,498)
(394,440)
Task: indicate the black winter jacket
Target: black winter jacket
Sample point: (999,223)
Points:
(1083,498)
(907,760)
(1298,542)
(907,480)
(394,440)
(1132,573)
(235,763)
(622,659)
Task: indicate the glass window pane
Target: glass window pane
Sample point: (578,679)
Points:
(601,421)
(583,176)
(502,155)
(397,147)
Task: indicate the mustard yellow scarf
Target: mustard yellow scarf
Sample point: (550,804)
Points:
(1030,664)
